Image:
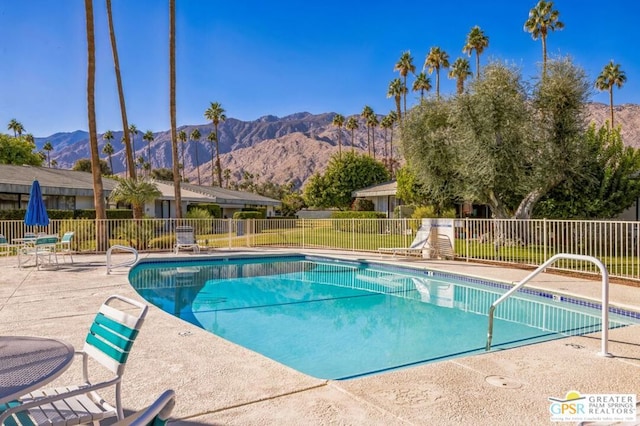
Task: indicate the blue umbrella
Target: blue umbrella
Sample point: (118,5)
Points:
(36,210)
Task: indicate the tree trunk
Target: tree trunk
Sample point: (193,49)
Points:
(172,108)
(98,193)
(218,168)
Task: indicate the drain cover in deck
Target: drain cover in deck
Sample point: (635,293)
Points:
(503,382)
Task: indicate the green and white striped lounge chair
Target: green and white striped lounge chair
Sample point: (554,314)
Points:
(156,414)
(108,343)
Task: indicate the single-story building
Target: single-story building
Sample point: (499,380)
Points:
(73,190)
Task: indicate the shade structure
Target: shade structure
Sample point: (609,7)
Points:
(36,210)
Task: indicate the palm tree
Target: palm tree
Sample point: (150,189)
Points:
(352,125)
(227,177)
(148,137)
(386,123)
(215,114)
(182,137)
(542,19)
(98,198)
(172,108)
(16,126)
(212,138)
(195,136)
(54,163)
(460,70)
(108,149)
(367,112)
(123,108)
(396,90)
(436,59)
(610,76)
(136,192)
(393,118)
(422,84)
(373,122)
(478,41)
(140,162)
(48,148)
(405,66)
(338,121)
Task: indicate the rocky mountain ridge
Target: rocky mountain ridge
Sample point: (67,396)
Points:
(281,150)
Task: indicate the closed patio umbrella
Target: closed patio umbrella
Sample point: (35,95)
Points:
(36,210)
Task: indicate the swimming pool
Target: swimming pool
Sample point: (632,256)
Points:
(335,319)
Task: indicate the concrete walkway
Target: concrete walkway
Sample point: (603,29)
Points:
(220,383)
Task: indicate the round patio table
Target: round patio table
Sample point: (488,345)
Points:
(28,363)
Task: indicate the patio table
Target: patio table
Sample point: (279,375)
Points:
(28,363)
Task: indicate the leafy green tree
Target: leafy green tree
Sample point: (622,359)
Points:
(352,126)
(405,66)
(343,176)
(460,70)
(542,19)
(410,189)
(136,192)
(338,121)
(48,147)
(476,40)
(421,84)
(195,137)
(17,150)
(84,165)
(215,114)
(606,183)
(611,76)
(436,60)
(162,174)
(291,204)
(16,127)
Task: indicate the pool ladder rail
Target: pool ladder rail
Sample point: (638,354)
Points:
(129,262)
(605,296)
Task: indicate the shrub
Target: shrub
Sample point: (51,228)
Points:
(136,233)
(363,205)
(248,215)
(84,237)
(430,212)
(203,224)
(213,209)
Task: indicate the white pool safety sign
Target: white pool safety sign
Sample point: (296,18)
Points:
(576,407)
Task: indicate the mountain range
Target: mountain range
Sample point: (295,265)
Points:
(280,150)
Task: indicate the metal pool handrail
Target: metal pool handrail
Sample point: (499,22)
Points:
(553,259)
(127,263)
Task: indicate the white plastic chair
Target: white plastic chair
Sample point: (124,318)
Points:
(64,246)
(156,414)
(43,247)
(185,238)
(108,343)
(419,243)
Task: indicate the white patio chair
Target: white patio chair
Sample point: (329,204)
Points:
(108,343)
(64,246)
(42,250)
(155,414)
(417,246)
(186,238)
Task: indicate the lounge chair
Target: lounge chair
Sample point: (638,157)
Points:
(64,246)
(419,243)
(108,343)
(155,414)
(185,238)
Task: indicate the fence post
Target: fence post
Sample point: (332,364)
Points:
(304,230)
(466,236)
(353,234)
(546,239)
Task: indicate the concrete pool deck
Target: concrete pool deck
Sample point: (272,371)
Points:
(220,383)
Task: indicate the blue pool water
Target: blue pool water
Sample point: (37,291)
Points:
(339,320)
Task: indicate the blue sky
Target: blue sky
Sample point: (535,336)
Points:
(277,57)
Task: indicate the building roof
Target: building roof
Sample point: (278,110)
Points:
(168,193)
(382,189)
(18,180)
(228,197)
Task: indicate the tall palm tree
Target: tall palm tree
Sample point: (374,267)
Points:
(367,112)
(386,123)
(195,136)
(136,192)
(227,177)
(48,148)
(476,40)
(542,19)
(373,122)
(352,125)
(460,70)
(212,138)
(108,149)
(393,118)
(182,137)
(172,108)
(215,114)
(610,76)
(436,59)
(421,84)
(405,66)
(338,121)
(16,126)
(396,90)
(148,137)
(123,108)
(98,198)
